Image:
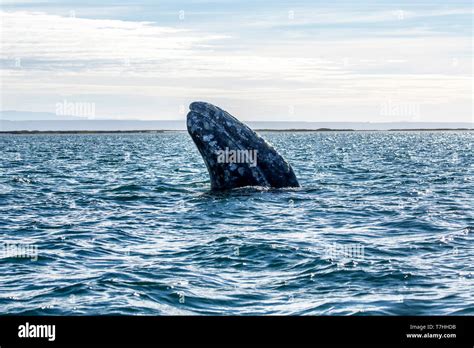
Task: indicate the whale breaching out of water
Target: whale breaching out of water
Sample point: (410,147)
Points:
(234,154)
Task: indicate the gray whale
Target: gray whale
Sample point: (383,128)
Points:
(234,154)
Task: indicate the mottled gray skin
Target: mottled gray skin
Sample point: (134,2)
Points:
(213,129)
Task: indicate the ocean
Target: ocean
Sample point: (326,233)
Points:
(125,224)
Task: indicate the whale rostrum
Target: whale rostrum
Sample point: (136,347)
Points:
(234,154)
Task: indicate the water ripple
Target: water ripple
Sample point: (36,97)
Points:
(126,224)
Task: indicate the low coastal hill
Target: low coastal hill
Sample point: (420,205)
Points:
(14,121)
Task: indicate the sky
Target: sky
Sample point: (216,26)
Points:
(361,61)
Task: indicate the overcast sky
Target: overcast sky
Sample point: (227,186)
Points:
(261,60)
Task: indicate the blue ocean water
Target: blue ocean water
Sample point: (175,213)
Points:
(126,224)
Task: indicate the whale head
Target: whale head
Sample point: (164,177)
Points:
(235,156)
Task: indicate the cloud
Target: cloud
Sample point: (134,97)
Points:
(300,16)
(115,63)
(45,36)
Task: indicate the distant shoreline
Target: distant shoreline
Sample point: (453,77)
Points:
(88,131)
(366,130)
(258,130)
